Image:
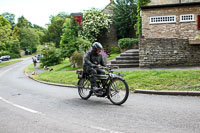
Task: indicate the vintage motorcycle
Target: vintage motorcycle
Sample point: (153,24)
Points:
(112,86)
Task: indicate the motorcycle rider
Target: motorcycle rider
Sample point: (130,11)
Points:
(91,61)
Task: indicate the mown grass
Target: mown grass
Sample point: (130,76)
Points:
(112,56)
(64,66)
(3,64)
(29,68)
(69,77)
(187,80)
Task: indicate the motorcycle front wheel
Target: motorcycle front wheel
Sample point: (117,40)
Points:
(118,91)
(84,89)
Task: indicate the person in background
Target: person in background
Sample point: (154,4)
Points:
(34,60)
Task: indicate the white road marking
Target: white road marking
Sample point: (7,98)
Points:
(21,107)
(104,129)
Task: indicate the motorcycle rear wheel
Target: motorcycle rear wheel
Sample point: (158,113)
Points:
(84,89)
(118,91)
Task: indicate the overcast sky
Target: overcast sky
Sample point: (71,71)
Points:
(38,11)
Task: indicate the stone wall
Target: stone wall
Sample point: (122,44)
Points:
(178,29)
(157,52)
(109,39)
(162,2)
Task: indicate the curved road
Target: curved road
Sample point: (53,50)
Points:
(27,106)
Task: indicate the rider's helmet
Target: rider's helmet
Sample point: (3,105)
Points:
(96,45)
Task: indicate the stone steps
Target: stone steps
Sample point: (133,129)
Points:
(124,61)
(128,59)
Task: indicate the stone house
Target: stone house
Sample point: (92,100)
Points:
(109,39)
(174,20)
(167,26)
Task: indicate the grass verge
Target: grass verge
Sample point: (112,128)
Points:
(179,80)
(29,68)
(69,78)
(3,64)
(112,56)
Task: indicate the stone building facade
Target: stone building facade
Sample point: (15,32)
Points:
(166,29)
(162,2)
(171,29)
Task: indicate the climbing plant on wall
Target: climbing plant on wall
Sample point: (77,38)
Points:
(140,3)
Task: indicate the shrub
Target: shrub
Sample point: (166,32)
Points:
(83,44)
(13,55)
(76,59)
(127,43)
(4,53)
(51,56)
(95,23)
(115,49)
(77,45)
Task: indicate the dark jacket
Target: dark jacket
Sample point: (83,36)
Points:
(92,59)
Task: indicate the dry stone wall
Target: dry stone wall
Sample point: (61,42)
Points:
(157,52)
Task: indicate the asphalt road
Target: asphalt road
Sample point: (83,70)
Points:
(27,106)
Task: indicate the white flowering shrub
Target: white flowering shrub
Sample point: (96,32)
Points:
(95,22)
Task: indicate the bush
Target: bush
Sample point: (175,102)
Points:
(95,22)
(51,56)
(115,49)
(83,44)
(127,43)
(4,53)
(12,55)
(78,45)
(76,59)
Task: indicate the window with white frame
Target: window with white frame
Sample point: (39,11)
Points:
(163,19)
(187,18)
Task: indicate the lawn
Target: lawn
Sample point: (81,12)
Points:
(64,66)
(29,68)
(6,63)
(179,80)
(112,56)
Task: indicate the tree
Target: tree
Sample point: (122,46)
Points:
(124,15)
(29,39)
(14,48)
(23,22)
(140,3)
(40,31)
(54,30)
(68,39)
(10,17)
(5,33)
(95,22)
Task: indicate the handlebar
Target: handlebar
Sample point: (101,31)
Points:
(108,68)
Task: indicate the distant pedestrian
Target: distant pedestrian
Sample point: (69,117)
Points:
(34,60)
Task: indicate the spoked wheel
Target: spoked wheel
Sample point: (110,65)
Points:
(84,88)
(118,91)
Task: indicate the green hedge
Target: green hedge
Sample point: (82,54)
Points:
(127,43)
(12,55)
